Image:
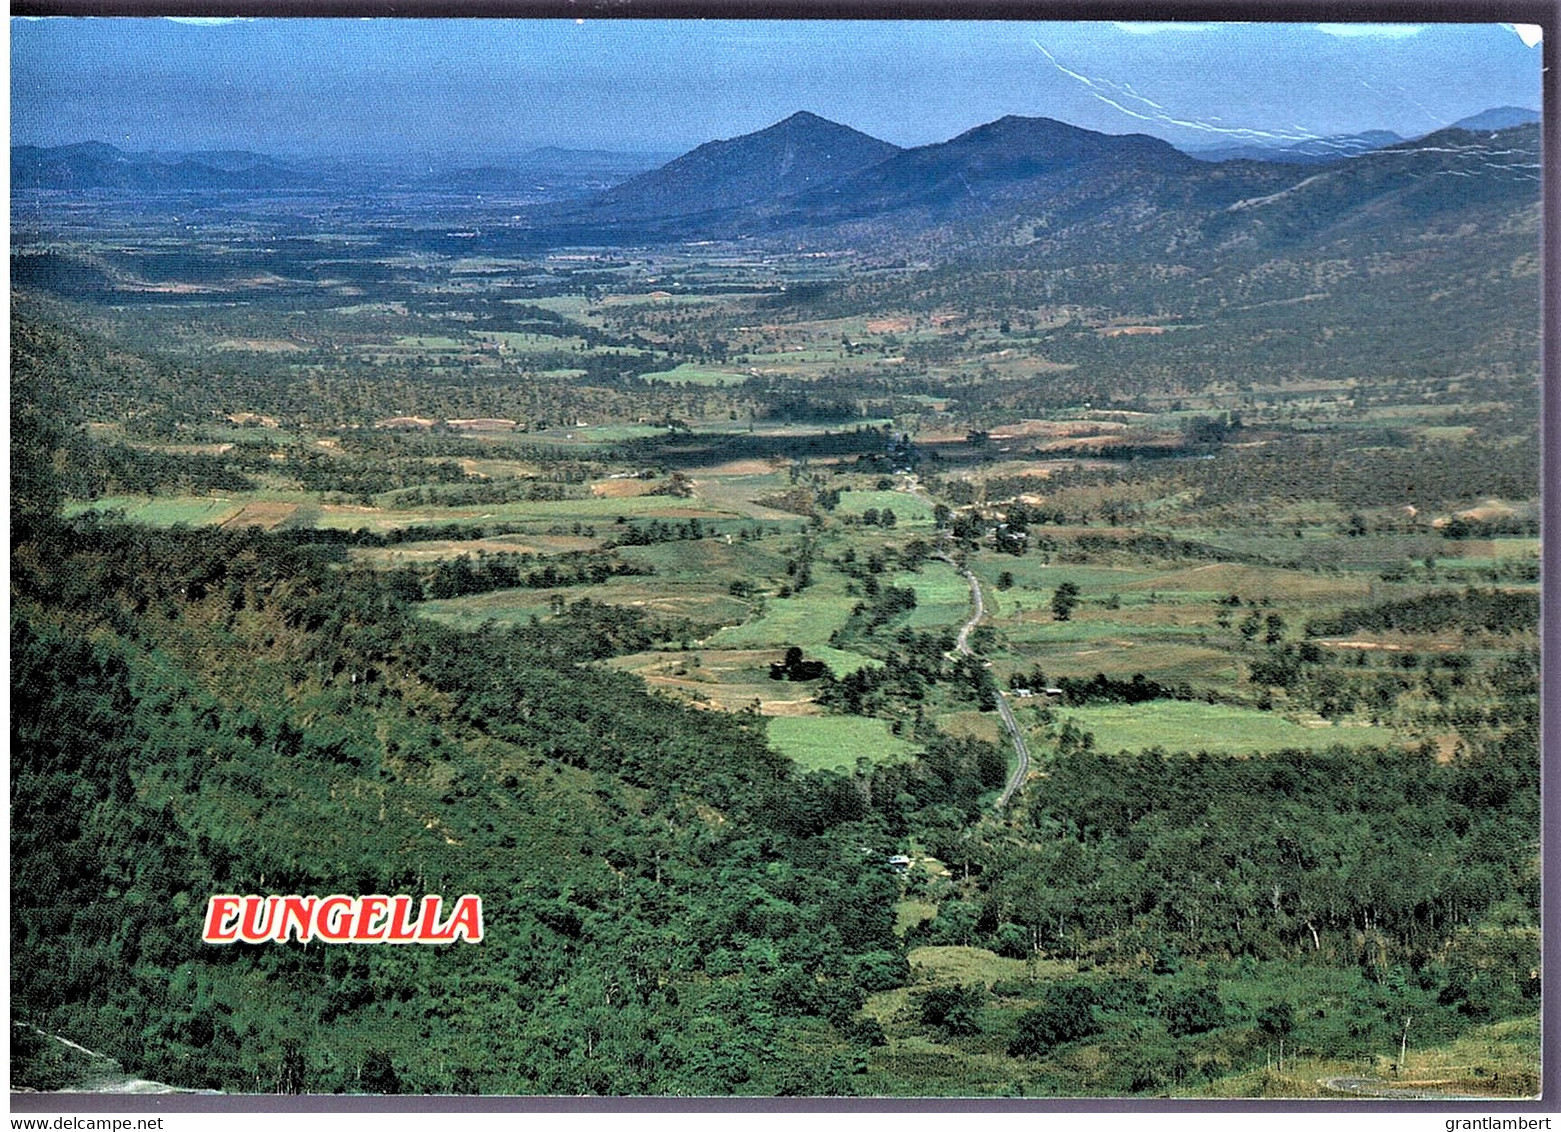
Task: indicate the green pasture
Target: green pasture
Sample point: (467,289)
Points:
(503,606)
(710,560)
(701,604)
(908,509)
(1169,662)
(909,913)
(430,342)
(597,510)
(824,742)
(942,597)
(1031,573)
(1252,583)
(741,492)
(806,619)
(194,511)
(1082,629)
(1216,728)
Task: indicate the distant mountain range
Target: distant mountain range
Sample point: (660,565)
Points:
(1017,186)
(1500,118)
(91,166)
(1026,186)
(1312,151)
(95,165)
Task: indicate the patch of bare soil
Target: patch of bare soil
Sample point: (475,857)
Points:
(742,468)
(261,345)
(483,424)
(623,489)
(1119,331)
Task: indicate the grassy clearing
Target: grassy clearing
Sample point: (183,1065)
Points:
(502,606)
(806,620)
(951,964)
(942,597)
(1031,573)
(709,560)
(690,374)
(193,511)
(1166,661)
(1040,628)
(699,603)
(909,913)
(1215,728)
(824,742)
(1216,579)
(597,511)
(740,492)
(983,725)
(908,509)
(432,550)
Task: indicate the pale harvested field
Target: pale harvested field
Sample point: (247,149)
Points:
(624,489)
(260,345)
(1057,428)
(742,468)
(482,424)
(496,469)
(1252,582)
(726,679)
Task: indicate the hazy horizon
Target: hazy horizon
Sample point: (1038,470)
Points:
(500,88)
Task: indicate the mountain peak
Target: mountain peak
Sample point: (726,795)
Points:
(798,153)
(1497,118)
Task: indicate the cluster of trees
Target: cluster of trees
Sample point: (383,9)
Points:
(323,473)
(93,470)
(1496,526)
(662,530)
(1472,610)
(467,494)
(462,575)
(1102,689)
(794,666)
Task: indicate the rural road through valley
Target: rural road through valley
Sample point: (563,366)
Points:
(962,643)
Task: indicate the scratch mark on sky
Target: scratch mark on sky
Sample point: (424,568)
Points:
(1095,86)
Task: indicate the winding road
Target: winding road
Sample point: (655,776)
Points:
(1016,736)
(962,643)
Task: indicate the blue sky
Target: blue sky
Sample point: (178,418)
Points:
(504,86)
